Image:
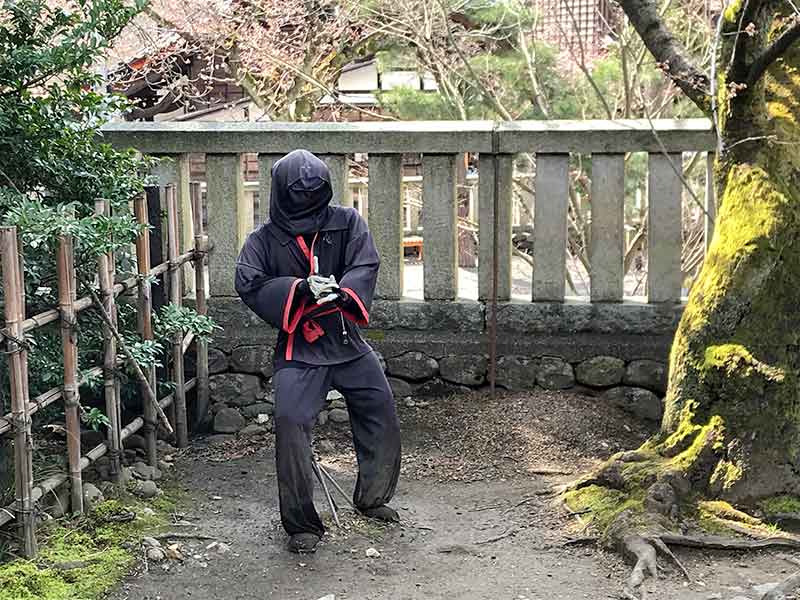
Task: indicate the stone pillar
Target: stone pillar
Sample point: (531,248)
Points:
(439,225)
(606,250)
(386,221)
(664,236)
(229,219)
(550,227)
(491,179)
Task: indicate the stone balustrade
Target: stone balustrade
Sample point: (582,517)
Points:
(442,325)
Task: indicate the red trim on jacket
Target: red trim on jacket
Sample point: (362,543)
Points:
(364,320)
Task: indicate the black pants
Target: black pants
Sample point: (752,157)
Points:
(299,396)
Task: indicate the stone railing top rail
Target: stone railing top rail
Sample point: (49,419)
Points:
(431,137)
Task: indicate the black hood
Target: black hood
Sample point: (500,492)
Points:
(301,193)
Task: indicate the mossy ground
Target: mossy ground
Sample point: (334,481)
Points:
(85,557)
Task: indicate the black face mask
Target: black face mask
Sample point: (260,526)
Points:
(301,193)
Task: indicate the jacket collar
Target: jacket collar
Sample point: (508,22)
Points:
(337,222)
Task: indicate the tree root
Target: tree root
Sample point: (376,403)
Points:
(722,543)
(644,549)
(785,587)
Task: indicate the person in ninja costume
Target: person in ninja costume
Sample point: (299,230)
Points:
(310,272)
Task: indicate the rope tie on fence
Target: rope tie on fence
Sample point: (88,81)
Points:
(13,344)
(21,422)
(71,395)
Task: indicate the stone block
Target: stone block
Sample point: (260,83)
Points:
(600,371)
(555,374)
(228,420)
(259,408)
(413,366)
(649,374)
(92,496)
(339,415)
(436,388)
(217,361)
(637,401)
(516,372)
(400,388)
(235,389)
(253,359)
(464,369)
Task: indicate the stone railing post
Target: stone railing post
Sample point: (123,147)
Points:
(440,226)
(340,178)
(495,176)
(173,169)
(664,236)
(550,227)
(230,219)
(606,249)
(386,221)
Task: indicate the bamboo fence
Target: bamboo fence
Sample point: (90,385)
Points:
(18,423)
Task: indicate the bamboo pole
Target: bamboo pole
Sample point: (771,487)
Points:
(201,306)
(105,276)
(50,316)
(145,307)
(23,460)
(175,297)
(160,235)
(44,400)
(69,344)
(53,482)
(148,390)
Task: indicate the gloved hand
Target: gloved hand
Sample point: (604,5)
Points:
(322,286)
(336,295)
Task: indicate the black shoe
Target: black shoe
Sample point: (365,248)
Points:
(303,543)
(382,513)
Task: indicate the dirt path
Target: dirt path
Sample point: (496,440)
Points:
(473,525)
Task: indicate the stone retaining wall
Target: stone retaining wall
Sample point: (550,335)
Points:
(431,351)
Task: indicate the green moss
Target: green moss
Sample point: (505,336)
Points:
(726,475)
(736,361)
(724,510)
(711,433)
(732,12)
(85,558)
(780,505)
(22,580)
(684,433)
(603,504)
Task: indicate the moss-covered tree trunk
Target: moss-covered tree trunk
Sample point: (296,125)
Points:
(731,429)
(736,356)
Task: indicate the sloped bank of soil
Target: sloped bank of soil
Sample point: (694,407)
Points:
(476,520)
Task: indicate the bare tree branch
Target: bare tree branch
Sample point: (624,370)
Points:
(773,52)
(667,50)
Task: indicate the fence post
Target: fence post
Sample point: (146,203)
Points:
(339,167)
(265,164)
(550,227)
(386,221)
(23,444)
(664,235)
(105,275)
(606,249)
(66,300)
(175,296)
(145,307)
(491,180)
(201,304)
(440,226)
(230,218)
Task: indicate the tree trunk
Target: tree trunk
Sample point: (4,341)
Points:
(735,358)
(731,429)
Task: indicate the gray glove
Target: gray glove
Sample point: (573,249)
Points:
(322,286)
